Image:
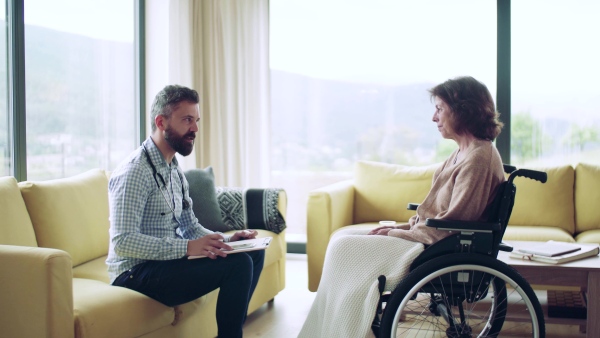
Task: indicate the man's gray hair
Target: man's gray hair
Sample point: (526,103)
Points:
(168,99)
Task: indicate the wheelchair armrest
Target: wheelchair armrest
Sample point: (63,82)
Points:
(474,226)
(412,206)
(505,247)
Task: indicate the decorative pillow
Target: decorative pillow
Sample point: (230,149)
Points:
(204,198)
(262,210)
(252,208)
(231,202)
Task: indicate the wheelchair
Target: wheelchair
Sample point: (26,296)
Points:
(457,287)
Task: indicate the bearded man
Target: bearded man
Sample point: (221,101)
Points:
(153,228)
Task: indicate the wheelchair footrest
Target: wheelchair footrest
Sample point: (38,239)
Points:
(567,304)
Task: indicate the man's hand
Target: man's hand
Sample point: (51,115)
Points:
(244,234)
(210,246)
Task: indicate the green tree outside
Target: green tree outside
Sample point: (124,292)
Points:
(526,138)
(577,137)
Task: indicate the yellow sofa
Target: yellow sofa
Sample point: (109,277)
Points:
(53,276)
(565,208)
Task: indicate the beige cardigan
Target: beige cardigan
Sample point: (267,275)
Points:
(460,191)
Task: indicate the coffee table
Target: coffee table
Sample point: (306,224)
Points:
(584,274)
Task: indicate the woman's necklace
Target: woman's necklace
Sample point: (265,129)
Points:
(456,157)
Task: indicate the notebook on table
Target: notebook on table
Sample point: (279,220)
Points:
(551,249)
(245,245)
(553,252)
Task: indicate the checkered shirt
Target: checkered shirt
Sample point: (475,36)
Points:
(143,225)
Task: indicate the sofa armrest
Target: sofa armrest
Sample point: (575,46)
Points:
(36,292)
(329,208)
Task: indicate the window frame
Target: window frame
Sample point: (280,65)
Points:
(503,77)
(16,87)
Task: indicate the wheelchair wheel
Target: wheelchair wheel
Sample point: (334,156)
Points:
(463,295)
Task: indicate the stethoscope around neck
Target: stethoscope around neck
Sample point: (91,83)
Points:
(155,173)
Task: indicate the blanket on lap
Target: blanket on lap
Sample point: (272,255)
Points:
(348,293)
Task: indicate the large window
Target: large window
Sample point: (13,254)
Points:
(80,98)
(555,87)
(349,82)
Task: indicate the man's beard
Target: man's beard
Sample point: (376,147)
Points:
(179,143)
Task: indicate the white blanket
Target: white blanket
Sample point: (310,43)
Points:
(348,293)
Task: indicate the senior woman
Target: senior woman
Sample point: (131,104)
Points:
(463,188)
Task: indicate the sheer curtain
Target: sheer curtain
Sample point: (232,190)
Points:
(220,48)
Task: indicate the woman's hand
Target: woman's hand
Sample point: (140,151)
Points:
(244,234)
(384,230)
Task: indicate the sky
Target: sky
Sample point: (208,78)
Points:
(102,19)
(393,41)
(554,42)
(338,38)
(554,46)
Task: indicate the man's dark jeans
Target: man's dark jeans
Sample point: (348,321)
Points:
(179,281)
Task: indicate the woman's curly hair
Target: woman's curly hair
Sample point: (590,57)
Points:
(472,106)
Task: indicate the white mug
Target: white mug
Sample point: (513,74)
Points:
(387,223)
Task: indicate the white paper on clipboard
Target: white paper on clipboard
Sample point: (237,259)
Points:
(245,245)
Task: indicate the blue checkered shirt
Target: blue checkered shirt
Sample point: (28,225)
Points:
(143,225)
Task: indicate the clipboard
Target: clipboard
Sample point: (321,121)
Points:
(244,245)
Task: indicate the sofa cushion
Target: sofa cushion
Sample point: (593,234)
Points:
(536,233)
(549,204)
(102,310)
(204,199)
(590,236)
(382,191)
(587,197)
(95,269)
(15,224)
(70,214)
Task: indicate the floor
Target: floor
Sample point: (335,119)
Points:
(283,318)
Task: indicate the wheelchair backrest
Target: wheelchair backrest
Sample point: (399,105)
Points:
(499,213)
(501,207)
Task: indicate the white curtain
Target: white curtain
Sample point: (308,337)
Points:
(221,49)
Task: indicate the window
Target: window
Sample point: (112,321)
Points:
(349,82)
(5,131)
(555,88)
(80,95)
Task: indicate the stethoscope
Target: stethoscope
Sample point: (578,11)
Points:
(155,173)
